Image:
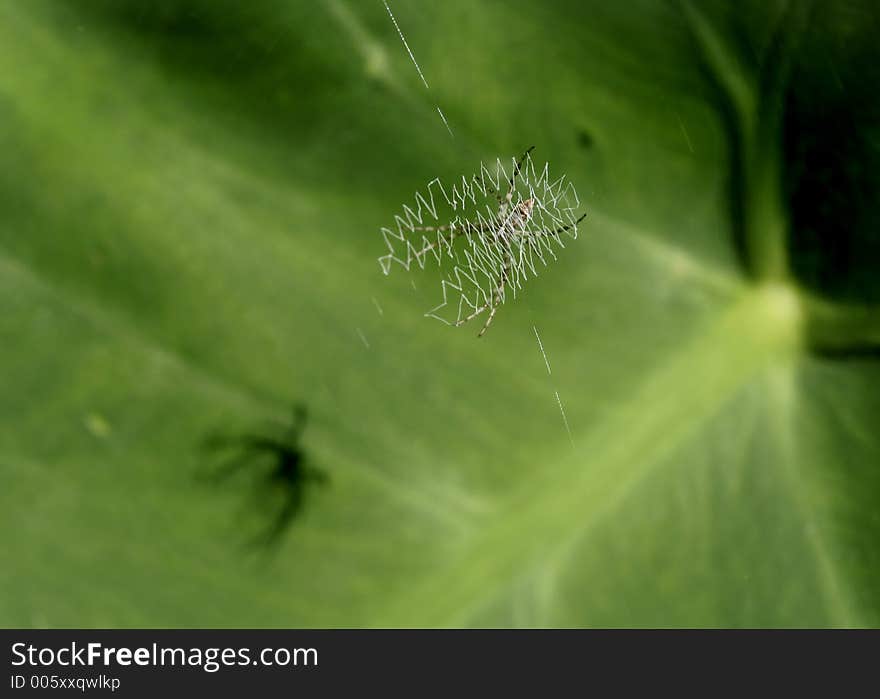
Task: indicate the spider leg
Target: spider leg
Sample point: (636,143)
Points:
(473,315)
(457,228)
(561,229)
(465,229)
(433,229)
(454,233)
(493,311)
(512,182)
(496,301)
(499,294)
(567,227)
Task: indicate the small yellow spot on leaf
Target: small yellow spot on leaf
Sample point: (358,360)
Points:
(97,425)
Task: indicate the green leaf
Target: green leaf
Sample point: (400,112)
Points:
(191,198)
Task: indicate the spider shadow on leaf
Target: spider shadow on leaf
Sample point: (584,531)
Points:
(277,467)
(585,139)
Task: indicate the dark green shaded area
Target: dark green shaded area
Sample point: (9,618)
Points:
(832,142)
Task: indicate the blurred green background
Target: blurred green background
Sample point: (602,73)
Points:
(191,193)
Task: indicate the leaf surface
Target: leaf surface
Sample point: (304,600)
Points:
(191,199)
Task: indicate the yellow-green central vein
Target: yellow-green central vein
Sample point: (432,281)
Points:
(762,327)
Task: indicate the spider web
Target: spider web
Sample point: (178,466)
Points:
(480,237)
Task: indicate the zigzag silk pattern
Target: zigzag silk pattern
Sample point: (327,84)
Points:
(489,243)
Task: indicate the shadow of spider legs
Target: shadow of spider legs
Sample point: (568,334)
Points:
(280,466)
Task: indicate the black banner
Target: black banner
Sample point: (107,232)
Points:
(274,663)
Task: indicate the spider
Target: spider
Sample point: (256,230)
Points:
(500,233)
